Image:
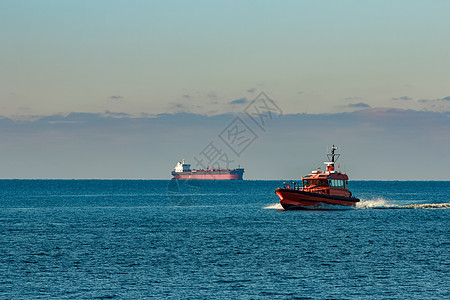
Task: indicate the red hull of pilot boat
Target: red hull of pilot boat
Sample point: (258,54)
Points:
(295,200)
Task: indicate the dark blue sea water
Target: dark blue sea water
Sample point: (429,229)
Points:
(119,239)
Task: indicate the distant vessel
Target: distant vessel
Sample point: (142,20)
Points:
(318,190)
(183,171)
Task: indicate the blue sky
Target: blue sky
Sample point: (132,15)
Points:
(166,56)
(144,58)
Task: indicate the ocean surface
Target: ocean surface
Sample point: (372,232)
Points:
(102,239)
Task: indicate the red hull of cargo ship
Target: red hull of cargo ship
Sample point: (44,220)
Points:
(209,177)
(296,199)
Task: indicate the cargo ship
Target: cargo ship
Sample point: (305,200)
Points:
(183,171)
(318,190)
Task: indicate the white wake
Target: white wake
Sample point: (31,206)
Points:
(373,203)
(274,206)
(383,203)
(378,203)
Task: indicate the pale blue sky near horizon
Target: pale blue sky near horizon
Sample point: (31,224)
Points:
(386,63)
(170,56)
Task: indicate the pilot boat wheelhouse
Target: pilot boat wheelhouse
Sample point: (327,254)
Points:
(318,190)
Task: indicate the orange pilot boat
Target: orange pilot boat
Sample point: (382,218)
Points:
(318,190)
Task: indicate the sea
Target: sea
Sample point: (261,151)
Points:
(169,239)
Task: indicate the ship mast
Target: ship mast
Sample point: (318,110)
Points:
(332,158)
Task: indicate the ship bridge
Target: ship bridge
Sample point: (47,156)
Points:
(182,167)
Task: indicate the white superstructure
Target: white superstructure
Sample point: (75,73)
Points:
(182,167)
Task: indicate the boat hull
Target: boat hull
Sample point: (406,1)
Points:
(208,176)
(227,174)
(292,199)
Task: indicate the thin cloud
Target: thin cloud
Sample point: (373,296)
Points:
(437,104)
(24,109)
(435,100)
(116,97)
(239,101)
(402,98)
(116,114)
(212,96)
(177,107)
(353,98)
(359,105)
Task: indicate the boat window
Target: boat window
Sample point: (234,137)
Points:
(337,183)
(316,182)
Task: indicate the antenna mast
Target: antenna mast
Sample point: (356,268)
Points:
(333,157)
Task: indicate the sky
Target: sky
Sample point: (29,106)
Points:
(135,62)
